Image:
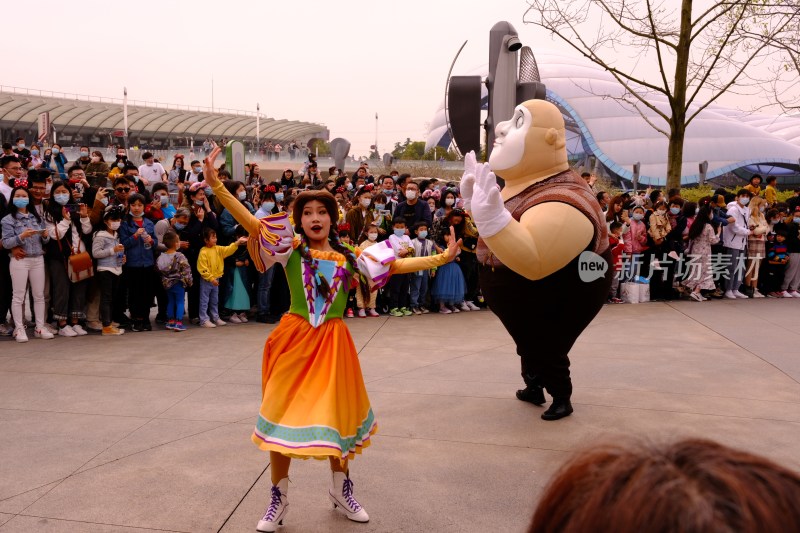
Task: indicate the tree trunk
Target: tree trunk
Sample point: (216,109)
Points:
(677,125)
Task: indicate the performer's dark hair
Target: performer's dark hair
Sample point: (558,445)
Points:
(691,486)
(326,199)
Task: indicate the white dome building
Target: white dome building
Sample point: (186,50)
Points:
(616,135)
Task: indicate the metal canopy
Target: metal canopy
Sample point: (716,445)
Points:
(88,117)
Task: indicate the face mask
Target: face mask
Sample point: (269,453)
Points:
(21,202)
(674,210)
(56,151)
(198,202)
(662,212)
(84,154)
(34,152)
(449,201)
(179,226)
(120,165)
(114,225)
(242,195)
(422,234)
(776,221)
(104,201)
(178,164)
(197,170)
(399,232)
(349,186)
(365,202)
(796,220)
(95,159)
(208,191)
(268,206)
(697,211)
(380,207)
(744,201)
(411,195)
(279,196)
(388,192)
(136,179)
(762,209)
(163,200)
(134,215)
(372,236)
(21,146)
(638,216)
(61,199)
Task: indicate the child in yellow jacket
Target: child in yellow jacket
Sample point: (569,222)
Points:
(211,266)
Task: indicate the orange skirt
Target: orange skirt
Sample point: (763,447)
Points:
(314,400)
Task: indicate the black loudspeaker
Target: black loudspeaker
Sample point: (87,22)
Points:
(464,112)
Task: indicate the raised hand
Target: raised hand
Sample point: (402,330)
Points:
(488,208)
(453,246)
(209,170)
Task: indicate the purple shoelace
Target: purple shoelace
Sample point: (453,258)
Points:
(347,492)
(273,504)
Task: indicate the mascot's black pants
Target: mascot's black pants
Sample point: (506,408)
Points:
(545,317)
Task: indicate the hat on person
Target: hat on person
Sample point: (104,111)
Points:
(719,201)
(113,211)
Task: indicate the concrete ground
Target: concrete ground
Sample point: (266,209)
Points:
(150,431)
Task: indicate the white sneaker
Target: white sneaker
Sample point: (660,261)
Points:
(208,324)
(20,335)
(757,294)
(787,294)
(341,495)
(740,295)
(277,508)
(795,294)
(696,296)
(472,306)
(454,308)
(730,295)
(77,328)
(464,307)
(67,331)
(43,334)
(243,317)
(234,319)
(220,322)
(444,309)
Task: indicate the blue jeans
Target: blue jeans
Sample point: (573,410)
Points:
(175,306)
(419,288)
(264,285)
(209,301)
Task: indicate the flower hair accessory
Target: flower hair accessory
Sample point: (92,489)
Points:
(341,189)
(369,187)
(269,188)
(197,185)
(344,227)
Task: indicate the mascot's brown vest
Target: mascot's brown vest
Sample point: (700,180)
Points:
(566,187)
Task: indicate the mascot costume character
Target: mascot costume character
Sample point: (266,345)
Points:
(535,234)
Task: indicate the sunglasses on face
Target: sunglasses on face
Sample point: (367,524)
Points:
(124,189)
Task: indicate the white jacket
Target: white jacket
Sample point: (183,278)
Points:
(735,235)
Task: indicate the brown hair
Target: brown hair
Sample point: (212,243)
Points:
(610,214)
(326,199)
(690,486)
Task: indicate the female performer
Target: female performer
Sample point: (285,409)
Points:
(314,401)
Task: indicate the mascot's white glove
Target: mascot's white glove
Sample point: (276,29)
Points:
(488,209)
(468,179)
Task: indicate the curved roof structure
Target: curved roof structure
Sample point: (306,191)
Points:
(618,136)
(90,116)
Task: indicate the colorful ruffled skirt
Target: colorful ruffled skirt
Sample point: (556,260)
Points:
(314,400)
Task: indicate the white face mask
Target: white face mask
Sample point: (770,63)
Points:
(365,202)
(242,195)
(411,195)
(372,236)
(449,201)
(114,225)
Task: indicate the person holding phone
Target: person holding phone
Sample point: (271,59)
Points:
(24,228)
(70,232)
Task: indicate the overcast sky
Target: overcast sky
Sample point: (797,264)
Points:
(336,63)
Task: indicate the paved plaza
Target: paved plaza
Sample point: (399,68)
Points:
(151,431)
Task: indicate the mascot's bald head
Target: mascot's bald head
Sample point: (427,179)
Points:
(532,145)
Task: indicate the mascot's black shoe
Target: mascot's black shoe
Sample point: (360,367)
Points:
(560,408)
(532,394)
